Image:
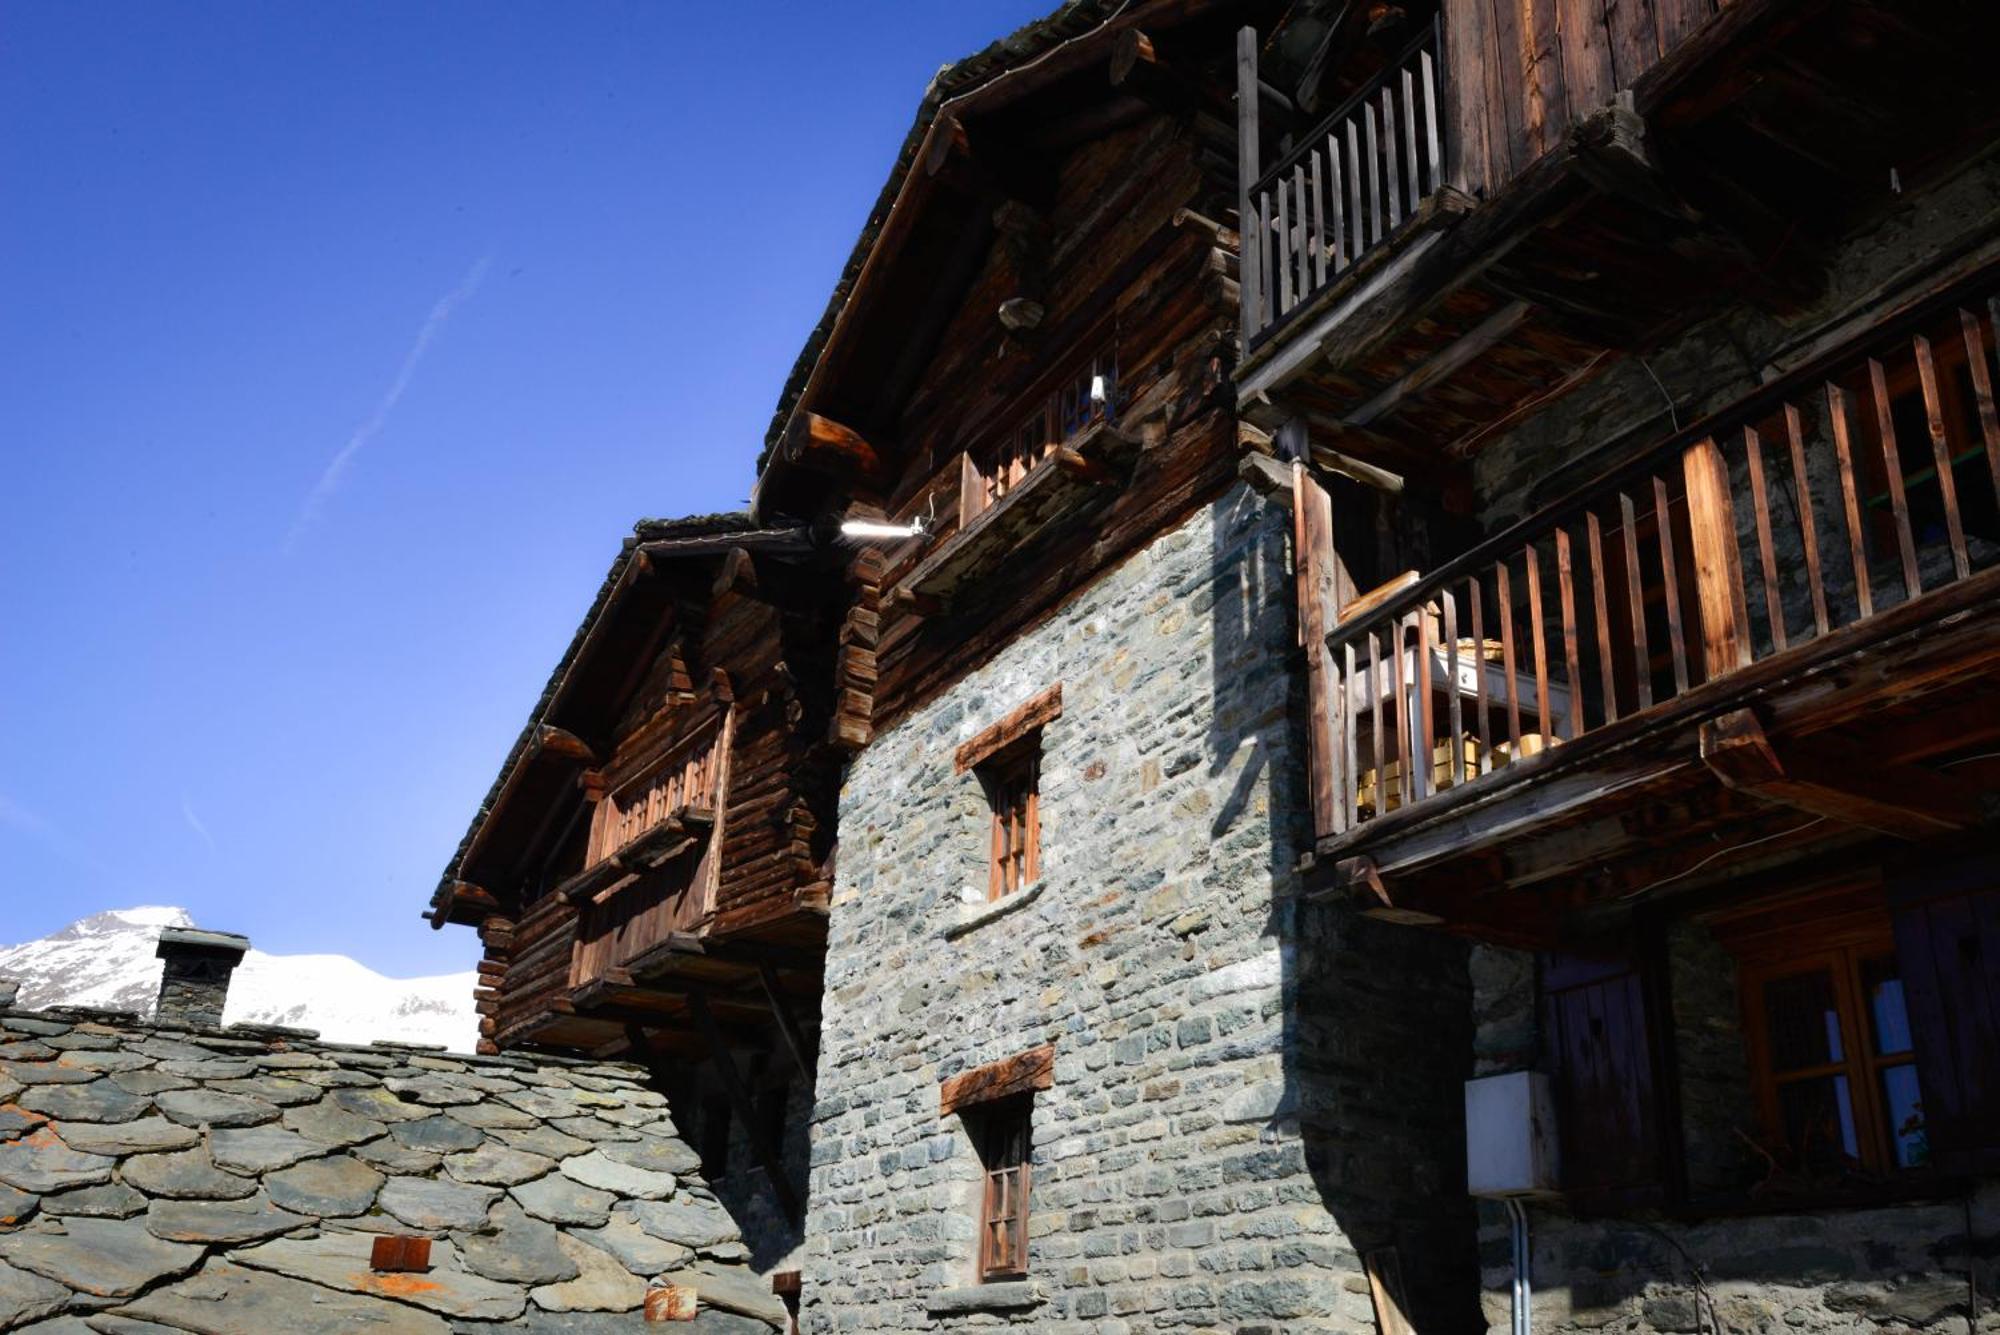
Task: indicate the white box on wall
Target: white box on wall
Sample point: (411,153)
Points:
(1510,1135)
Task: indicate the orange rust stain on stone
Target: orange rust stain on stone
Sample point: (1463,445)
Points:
(393,1286)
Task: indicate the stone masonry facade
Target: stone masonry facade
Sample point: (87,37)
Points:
(159,1177)
(1208,1158)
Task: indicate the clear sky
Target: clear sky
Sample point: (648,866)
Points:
(340,344)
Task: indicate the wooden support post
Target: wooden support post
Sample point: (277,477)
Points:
(1834,780)
(739,1100)
(1320,591)
(788,1024)
(1247,172)
(1718,564)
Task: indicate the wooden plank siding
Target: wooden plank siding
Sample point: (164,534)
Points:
(1520,73)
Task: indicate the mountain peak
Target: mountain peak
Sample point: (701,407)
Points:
(108,960)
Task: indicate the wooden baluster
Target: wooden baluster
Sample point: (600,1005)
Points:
(1372,140)
(1247,268)
(1269,281)
(1718,564)
(1317,241)
(1336,195)
(1454,706)
(1533,574)
(1767,558)
(1392,196)
(1433,143)
(1351,776)
(1802,488)
(1600,610)
(1671,579)
(1982,393)
(1284,245)
(1375,724)
(1566,588)
(1479,671)
(1635,593)
(1356,169)
(1885,427)
(1941,454)
(1399,648)
(1836,406)
(1303,243)
(1513,682)
(1420,685)
(1413,175)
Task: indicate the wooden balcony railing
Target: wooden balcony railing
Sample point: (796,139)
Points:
(1865,480)
(685,779)
(1350,185)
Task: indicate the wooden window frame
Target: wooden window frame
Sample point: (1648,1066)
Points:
(1839,950)
(1003,1130)
(1013,790)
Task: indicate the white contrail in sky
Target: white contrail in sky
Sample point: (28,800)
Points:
(194,822)
(336,467)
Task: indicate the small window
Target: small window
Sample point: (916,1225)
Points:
(1833,1061)
(1001,1132)
(1012,782)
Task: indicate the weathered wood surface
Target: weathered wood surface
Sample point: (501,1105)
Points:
(1019,1074)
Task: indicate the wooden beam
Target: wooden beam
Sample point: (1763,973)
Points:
(1019,1074)
(739,1099)
(1835,780)
(788,1025)
(818,442)
(562,742)
(1449,360)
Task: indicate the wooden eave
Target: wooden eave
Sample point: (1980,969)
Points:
(1532,855)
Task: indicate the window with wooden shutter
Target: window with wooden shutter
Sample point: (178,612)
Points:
(1600,1051)
(1002,1131)
(1947,941)
(1012,784)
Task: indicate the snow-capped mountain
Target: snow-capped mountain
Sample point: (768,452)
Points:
(107,960)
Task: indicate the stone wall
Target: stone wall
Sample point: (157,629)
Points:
(233,1182)
(1726,1263)
(1247,1091)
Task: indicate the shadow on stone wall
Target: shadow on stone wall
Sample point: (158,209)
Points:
(1376,1031)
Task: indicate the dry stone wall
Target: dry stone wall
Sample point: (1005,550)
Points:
(233,1181)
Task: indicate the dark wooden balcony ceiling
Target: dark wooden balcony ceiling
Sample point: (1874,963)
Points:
(1886,733)
(1759,142)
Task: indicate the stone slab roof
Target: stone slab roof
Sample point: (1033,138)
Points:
(234,1180)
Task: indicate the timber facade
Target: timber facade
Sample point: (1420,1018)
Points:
(1327,563)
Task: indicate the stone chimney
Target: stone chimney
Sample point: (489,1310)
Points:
(194,981)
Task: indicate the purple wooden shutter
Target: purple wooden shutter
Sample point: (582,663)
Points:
(1947,921)
(1597,1045)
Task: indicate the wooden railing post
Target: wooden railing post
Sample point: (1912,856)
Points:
(1718,563)
(1321,582)
(1250,266)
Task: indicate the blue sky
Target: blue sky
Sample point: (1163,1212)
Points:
(340,345)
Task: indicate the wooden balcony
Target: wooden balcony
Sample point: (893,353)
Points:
(1550,188)
(1792,606)
(1344,192)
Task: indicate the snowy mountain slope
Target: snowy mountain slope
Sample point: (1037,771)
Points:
(107,960)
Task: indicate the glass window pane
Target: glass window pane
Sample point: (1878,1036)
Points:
(1909,1145)
(1802,1021)
(1886,1013)
(1819,1123)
